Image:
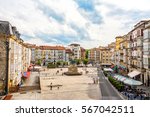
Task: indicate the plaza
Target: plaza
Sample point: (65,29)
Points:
(63,87)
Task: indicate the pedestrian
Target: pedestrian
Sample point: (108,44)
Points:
(94,80)
(51,86)
(128,96)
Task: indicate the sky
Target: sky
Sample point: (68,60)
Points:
(90,23)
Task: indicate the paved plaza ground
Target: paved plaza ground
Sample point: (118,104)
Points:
(63,87)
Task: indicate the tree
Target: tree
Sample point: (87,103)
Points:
(51,65)
(78,61)
(65,63)
(58,63)
(85,61)
(86,54)
(39,62)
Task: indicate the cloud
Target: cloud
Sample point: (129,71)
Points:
(127,18)
(88,22)
(87,5)
(50,13)
(87,9)
(142,5)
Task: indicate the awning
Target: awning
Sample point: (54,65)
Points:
(133,73)
(37,67)
(132,82)
(108,69)
(26,74)
(127,80)
(123,66)
(119,77)
(106,64)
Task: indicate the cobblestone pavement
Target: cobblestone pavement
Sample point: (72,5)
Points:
(64,87)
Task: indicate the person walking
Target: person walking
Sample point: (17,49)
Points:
(51,86)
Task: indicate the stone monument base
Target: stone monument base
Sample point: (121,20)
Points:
(72,71)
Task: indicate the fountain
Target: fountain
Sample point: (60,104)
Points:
(72,71)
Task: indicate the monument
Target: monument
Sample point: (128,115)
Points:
(72,70)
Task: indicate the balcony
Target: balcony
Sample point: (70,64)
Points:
(146,66)
(134,66)
(134,57)
(120,53)
(121,61)
(139,58)
(131,39)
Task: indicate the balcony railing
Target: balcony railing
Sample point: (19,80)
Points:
(146,66)
(133,66)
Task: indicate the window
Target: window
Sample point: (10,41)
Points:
(145,61)
(146,46)
(146,33)
(141,32)
(138,33)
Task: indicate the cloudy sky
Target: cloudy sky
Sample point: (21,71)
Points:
(90,23)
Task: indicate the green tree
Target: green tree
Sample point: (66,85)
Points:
(65,63)
(58,63)
(86,54)
(39,62)
(51,65)
(85,61)
(77,61)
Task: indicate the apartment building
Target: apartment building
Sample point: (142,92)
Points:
(105,55)
(83,53)
(129,51)
(4,56)
(26,56)
(76,49)
(112,51)
(48,54)
(32,48)
(146,53)
(69,55)
(136,45)
(15,56)
(119,39)
(123,56)
(94,55)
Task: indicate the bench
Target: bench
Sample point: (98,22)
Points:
(51,86)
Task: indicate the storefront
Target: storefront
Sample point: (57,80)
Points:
(134,74)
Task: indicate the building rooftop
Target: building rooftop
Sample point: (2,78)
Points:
(82,49)
(5,28)
(52,47)
(74,44)
(68,51)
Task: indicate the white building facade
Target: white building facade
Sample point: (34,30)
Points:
(146,53)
